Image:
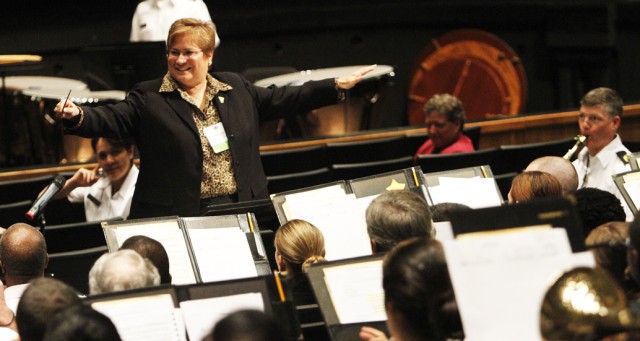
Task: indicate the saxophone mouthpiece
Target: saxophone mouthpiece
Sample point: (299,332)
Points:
(579,141)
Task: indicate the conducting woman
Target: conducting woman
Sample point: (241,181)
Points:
(197,133)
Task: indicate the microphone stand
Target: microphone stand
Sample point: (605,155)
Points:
(42,222)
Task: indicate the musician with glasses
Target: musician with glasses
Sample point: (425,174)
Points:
(198,133)
(603,154)
(107,190)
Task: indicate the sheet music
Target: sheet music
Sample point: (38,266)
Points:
(201,316)
(474,192)
(444,231)
(324,193)
(500,280)
(341,220)
(222,253)
(632,186)
(356,291)
(151,318)
(169,234)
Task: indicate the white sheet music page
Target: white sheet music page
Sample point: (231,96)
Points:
(500,280)
(632,186)
(444,231)
(341,221)
(325,193)
(222,253)
(201,315)
(148,318)
(169,234)
(356,291)
(474,192)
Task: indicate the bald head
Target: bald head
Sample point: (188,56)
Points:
(560,168)
(23,254)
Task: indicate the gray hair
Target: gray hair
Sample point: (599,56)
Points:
(448,105)
(604,96)
(395,216)
(122,270)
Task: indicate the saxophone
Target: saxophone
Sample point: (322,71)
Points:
(579,141)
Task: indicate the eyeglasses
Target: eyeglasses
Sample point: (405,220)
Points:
(186,53)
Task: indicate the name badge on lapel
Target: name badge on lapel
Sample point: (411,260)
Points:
(217,137)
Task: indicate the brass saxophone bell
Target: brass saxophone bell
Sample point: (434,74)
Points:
(585,304)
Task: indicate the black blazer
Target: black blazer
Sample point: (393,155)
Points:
(167,138)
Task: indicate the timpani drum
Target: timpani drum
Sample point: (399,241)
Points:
(355,114)
(31,138)
(75,149)
(20,83)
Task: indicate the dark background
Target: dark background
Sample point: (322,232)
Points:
(566,47)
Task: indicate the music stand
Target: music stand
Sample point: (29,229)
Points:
(557,212)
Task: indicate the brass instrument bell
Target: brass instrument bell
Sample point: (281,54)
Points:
(585,304)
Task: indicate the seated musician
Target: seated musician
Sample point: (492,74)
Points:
(106,194)
(299,244)
(444,118)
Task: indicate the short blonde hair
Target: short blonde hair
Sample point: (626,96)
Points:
(203,33)
(300,243)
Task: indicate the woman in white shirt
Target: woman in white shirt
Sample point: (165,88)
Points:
(106,191)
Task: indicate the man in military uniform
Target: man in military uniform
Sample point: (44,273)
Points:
(604,154)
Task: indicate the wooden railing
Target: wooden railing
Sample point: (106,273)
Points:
(504,131)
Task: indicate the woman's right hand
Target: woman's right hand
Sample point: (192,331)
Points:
(66,109)
(84,177)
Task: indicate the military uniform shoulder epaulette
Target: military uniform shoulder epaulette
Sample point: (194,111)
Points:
(624,157)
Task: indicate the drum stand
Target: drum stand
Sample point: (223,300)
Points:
(19,63)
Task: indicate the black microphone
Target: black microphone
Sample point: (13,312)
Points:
(43,200)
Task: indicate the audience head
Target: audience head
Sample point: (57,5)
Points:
(607,243)
(419,297)
(247,325)
(444,118)
(441,212)
(533,185)
(600,118)
(43,299)
(81,323)
(560,168)
(596,207)
(154,251)
(298,244)
(122,270)
(395,216)
(23,254)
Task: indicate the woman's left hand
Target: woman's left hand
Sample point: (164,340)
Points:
(353,79)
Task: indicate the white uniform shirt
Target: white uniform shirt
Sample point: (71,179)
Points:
(600,168)
(13,294)
(153,18)
(111,206)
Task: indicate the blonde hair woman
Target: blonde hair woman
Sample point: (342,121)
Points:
(299,244)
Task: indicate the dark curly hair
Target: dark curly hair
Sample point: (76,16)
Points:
(597,207)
